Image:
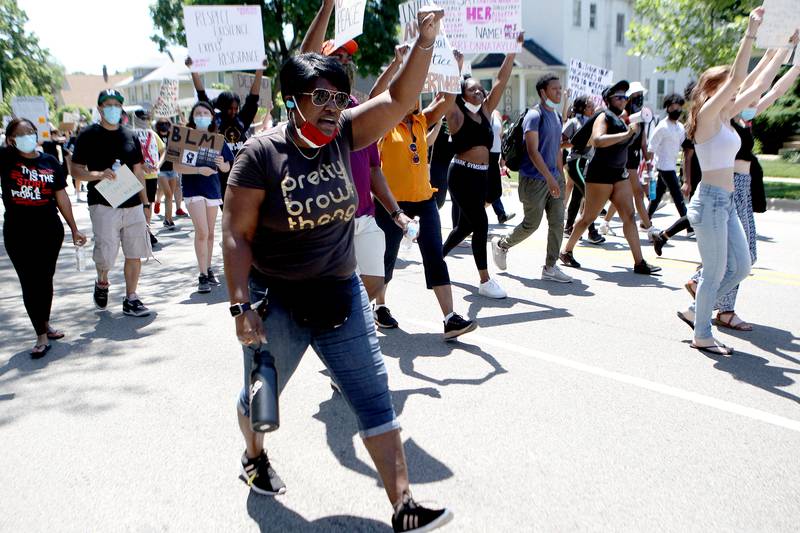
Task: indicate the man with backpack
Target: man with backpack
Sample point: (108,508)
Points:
(541,179)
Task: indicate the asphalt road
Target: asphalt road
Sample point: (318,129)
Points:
(574,407)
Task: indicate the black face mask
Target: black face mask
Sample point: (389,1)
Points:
(637,103)
(675,115)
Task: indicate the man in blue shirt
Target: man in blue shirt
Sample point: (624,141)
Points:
(541,180)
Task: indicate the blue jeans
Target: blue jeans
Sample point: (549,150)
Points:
(723,251)
(351,354)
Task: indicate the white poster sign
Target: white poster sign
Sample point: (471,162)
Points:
(242,82)
(35,109)
(167,102)
(587,79)
(119,190)
(223,38)
(443,75)
(349,20)
(797,56)
(781,19)
(484,26)
(70,117)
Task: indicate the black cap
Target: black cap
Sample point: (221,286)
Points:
(110,93)
(620,86)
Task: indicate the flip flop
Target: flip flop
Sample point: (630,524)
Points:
(714,349)
(741,326)
(44,349)
(685,320)
(691,288)
(54,334)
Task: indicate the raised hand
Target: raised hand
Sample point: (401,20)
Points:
(400,52)
(429,20)
(756,18)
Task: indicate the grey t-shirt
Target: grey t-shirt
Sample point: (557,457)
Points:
(570,129)
(305,228)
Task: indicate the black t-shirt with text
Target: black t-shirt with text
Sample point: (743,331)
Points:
(29,186)
(98,148)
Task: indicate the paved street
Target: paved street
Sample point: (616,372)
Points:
(573,407)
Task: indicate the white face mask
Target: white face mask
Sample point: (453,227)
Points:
(472,108)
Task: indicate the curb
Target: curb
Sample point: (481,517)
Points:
(782,204)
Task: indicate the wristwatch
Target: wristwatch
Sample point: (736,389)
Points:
(240,309)
(397,213)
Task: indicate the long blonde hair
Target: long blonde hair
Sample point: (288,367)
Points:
(708,84)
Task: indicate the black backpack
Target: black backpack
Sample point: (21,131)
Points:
(513,147)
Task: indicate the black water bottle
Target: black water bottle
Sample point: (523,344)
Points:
(264,413)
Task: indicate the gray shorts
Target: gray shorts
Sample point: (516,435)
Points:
(113,226)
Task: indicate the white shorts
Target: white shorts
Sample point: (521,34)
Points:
(209,202)
(370,245)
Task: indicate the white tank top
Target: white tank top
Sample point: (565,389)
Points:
(719,152)
(497,126)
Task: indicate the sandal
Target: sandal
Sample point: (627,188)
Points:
(39,351)
(54,334)
(686,321)
(714,349)
(738,326)
(691,286)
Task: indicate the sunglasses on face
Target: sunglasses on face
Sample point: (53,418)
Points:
(320,97)
(621,97)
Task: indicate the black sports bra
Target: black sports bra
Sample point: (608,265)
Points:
(471,133)
(748,142)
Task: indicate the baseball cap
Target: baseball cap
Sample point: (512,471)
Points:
(110,93)
(620,86)
(636,87)
(351,47)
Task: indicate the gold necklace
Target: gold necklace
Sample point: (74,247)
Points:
(289,135)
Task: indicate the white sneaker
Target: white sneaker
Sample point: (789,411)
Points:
(554,273)
(499,254)
(653,233)
(492,289)
(603,229)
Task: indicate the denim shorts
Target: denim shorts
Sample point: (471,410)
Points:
(168,174)
(350,352)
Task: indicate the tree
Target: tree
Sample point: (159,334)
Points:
(285,23)
(693,34)
(25,67)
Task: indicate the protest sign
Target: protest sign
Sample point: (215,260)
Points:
(222,38)
(167,102)
(797,56)
(587,79)
(35,109)
(68,117)
(443,75)
(349,20)
(781,19)
(193,148)
(118,190)
(242,82)
(484,26)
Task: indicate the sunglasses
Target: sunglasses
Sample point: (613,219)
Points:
(620,97)
(320,97)
(414,154)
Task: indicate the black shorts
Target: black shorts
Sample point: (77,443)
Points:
(634,157)
(151,186)
(605,175)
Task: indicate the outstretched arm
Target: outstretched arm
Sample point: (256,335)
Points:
(764,80)
(315,36)
(197,81)
(383,81)
(779,89)
(493,99)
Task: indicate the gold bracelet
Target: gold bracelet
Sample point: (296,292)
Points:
(425,49)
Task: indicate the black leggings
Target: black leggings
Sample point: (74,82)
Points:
(468,192)
(668,179)
(34,252)
(578,192)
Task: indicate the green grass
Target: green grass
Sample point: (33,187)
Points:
(781,169)
(790,191)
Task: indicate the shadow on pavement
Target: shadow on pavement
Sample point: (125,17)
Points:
(776,341)
(627,278)
(273,517)
(576,288)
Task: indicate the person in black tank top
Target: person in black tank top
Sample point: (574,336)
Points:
(468,177)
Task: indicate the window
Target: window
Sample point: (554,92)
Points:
(620,29)
(592,16)
(221,77)
(660,92)
(670,86)
(576,13)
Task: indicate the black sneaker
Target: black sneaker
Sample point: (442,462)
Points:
(100,296)
(506,217)
(569,260)
(212,279)
(203,286)
(169,224)
(410,516)
(153,240)
(658,242)
(596,238)
(643,267)
(384,318)
(458,325)
(567,231)
(134,308)
(259,475)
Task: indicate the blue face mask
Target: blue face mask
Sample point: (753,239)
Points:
(26,143)
(112,114)
(202,123)
(552,105)
(749,113)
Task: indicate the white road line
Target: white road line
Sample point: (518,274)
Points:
(667,390)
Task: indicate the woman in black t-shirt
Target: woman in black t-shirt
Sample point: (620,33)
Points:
(33,193)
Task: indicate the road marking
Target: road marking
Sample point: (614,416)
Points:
(668,390)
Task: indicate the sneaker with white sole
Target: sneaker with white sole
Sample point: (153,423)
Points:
(554,273)
(457,325)
(260,477)
(492,289)
(499,253)
(603,229)
(410,516)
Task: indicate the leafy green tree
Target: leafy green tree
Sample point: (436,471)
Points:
(285,23)
(25,67)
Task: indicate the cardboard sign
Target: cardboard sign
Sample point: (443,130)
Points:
(66,126)
(35,109)
(223,38)
(781,19)
(443,74)
(167,102)
(193,148)
(349,20)
(242,82)
(587,79)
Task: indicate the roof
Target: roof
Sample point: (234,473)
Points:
(170,71)
(82,89)
(533,55)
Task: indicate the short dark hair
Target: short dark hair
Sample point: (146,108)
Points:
(579,105)
(298,74)
(16,122)
(190,123)
(673,99)
(544,81)
(225,100)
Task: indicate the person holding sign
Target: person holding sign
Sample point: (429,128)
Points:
(99,151)
(470,127)
(288,234)
(33,186)
(203,195)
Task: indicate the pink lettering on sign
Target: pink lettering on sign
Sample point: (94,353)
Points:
(479,14)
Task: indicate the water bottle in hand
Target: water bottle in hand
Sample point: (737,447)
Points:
(412,230)
(80,258)
(652,192)
(116,166)
(264,413)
